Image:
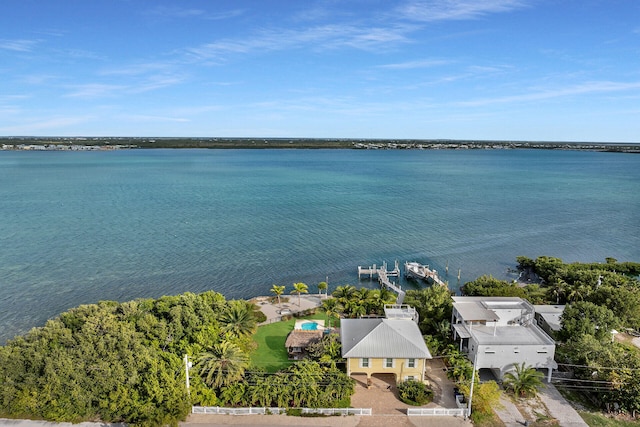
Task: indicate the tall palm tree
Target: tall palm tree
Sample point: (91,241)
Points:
(299,288)
(524,382)
(223,364)
(331,308)
(237,319)
(322,286)
(278,290)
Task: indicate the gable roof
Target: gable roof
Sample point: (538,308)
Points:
(382,338)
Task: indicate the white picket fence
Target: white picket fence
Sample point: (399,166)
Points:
(437,412)
(220,410)
(337,411)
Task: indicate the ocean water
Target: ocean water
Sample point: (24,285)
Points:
(79,227)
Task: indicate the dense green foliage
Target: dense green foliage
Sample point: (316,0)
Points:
(350,302)
(599,298)
(110,361)
(414,393)
(490,286)
(486,395)
(328,350)
(303,384)
(123,362)
(434,306)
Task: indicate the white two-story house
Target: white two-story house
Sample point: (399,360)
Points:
(497,333)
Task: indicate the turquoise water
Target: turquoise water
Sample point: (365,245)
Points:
(78,227)
(309,326)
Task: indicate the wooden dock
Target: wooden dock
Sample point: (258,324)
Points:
(383,277)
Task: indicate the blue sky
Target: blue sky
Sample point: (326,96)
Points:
(555,70)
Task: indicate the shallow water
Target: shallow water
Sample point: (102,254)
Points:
(78,227)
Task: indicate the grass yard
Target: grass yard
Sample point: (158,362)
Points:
(271,353)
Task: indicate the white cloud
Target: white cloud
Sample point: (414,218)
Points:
(151,118)
(94,90)
(426,63)
(172,12)
(444,10)
(37,125)
(318,37)
(18,45)
(582,89)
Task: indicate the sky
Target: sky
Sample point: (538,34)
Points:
(534,70)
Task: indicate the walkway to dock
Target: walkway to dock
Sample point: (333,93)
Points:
(383,277)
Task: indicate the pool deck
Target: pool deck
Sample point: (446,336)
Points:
(275,311)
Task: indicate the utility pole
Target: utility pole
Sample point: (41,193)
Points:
(473,380)
(187,365)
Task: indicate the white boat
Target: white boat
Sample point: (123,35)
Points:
(415,270)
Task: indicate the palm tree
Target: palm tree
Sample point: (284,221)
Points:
(344,293)
(524,382)
(299,288)
(223,364)
(322,286)
(278,290)
(238,319)
(331,307)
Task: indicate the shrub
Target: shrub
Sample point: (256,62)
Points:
(259,316)
(414,393)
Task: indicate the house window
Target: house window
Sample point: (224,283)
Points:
(409,378)
(411,363)
(364,362)
(388,363)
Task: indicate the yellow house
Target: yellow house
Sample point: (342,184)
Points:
(391,345)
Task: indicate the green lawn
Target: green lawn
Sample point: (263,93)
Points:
(271,353)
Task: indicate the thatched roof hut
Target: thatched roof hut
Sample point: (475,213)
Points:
(298,340)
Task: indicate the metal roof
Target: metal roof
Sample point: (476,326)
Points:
(382,338)
(474,312)
(462,330)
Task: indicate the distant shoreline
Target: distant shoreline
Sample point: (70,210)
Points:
(117,143)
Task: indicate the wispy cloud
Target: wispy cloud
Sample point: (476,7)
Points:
(18,45)
(95,90)
(426,63)
(154,83)
(318,38)
(582,89)
(138,69)
(150,118)
(38,125)
(176,12)
(446,10)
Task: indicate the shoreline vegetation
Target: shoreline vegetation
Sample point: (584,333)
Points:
(114,143)
(125,361)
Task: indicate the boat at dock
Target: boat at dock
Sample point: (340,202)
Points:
(415,270)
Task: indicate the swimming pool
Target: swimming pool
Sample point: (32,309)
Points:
(309,326)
